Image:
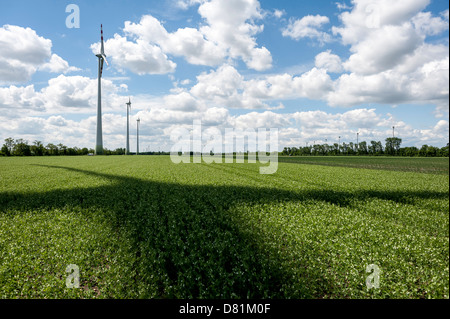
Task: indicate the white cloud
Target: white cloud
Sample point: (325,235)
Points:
(427,84)
(14,100)
(23,44)
(222,87)
(361,118)
(139,57)
(24,52)
(147,44)
(182,101)
(65,94)
(313,84)
(226,87)
(217,116)
(185,4)
(308,27)
(187,42)
(279,13)
(240,43)
(342,6)
(323,127)
(428,25)
(391,62)
(383,49)
(191,44)
(256,120)
(369,15)
(328,61)
(57,121)
(58,65)
(444,14)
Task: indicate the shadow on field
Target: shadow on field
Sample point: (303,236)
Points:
(185,241)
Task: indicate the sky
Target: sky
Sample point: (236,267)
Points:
(314,70)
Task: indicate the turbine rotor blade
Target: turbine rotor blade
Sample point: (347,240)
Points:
(102,47)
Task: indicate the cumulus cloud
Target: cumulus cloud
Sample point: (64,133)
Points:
(328,61)
(278,13)
(139,57)
(382,34)
(257,120)
(189,43)
(185,4)
(227,87)
(57,65)
(308,27)
(428,84)
(24,52)
(313,84)
(426,24)
(147,45)
(367,16)
(66,94)
(223,82)
(383,49)
(390,61)
(322,127)
(241,16)
(182,101)
(14,99)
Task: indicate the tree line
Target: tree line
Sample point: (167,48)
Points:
(392,147)
(20,147)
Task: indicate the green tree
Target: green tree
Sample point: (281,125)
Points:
(37,148)
(444,151)
(62,149)
(52,149)
(9,142)
(432,151)
(335,149)
(21,148)
(351,148)
(362,148)
(393,145)
(5,151)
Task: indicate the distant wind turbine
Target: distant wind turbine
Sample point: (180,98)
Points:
(101,58)
(128,126)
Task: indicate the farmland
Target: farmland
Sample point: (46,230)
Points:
(405,164)
(142,227)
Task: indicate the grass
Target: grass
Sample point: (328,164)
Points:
(430,165)
(142,227)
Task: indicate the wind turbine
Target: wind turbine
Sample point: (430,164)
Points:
(101,58)
(137,148)
(128,126)
(339,145)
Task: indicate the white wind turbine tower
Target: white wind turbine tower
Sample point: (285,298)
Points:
(128,126)
(101,58)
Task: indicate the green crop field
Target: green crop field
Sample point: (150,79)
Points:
(430,165)
(142,227)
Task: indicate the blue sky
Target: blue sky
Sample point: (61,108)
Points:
(315,70)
